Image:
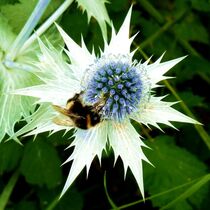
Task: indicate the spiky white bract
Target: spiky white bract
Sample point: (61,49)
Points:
(128,96)
(88,144)
(97,9)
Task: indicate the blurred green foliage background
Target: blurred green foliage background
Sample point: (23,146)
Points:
(180,179)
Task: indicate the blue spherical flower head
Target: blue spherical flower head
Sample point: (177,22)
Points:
(117,83)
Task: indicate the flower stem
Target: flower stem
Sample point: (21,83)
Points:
(188,192)
(46,24)
(161,193)
(203,134)
(4,197)
(156,34)
(164,28)
(160,19)
(53,204)
(27,29)
(15,65)
(152,11)
(113,205)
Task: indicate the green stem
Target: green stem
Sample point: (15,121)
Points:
(15,65)
(113,205)
(46,24)
(186,194)
(186,45)
(160,19)
(204,77)
(159,194)
(4,197)
(156,34)
(27,29)
(146,133)
(152,11)
(53,204)
(164,28)
(202,133)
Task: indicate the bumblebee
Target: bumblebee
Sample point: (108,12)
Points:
(78,114)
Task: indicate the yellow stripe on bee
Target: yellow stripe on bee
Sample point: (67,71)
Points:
(89,125)
(69,105)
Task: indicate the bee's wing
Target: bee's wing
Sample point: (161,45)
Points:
(60,110)
(65,112)
(63,121)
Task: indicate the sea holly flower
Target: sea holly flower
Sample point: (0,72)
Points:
(121,88)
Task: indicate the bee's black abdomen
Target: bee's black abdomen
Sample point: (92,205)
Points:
(90,120)
(78,108)
(81,123)
(94,118)
(84,117)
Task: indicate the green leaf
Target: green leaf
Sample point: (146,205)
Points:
(73,200)
(18,13)
(97,9)
(192,67)
(41,164)
(5,194)
(10,156)
(149,26)
(161,43)
(191,99)
(118,6)
(194,188)
(180,5)
(6,35)
(49,199)
(26,205)
(4,2)
(188,30)
(173,166)
(199,5)
(96,39)
(188,134)
(68,22)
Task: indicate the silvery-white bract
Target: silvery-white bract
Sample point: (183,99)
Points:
(124,83)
